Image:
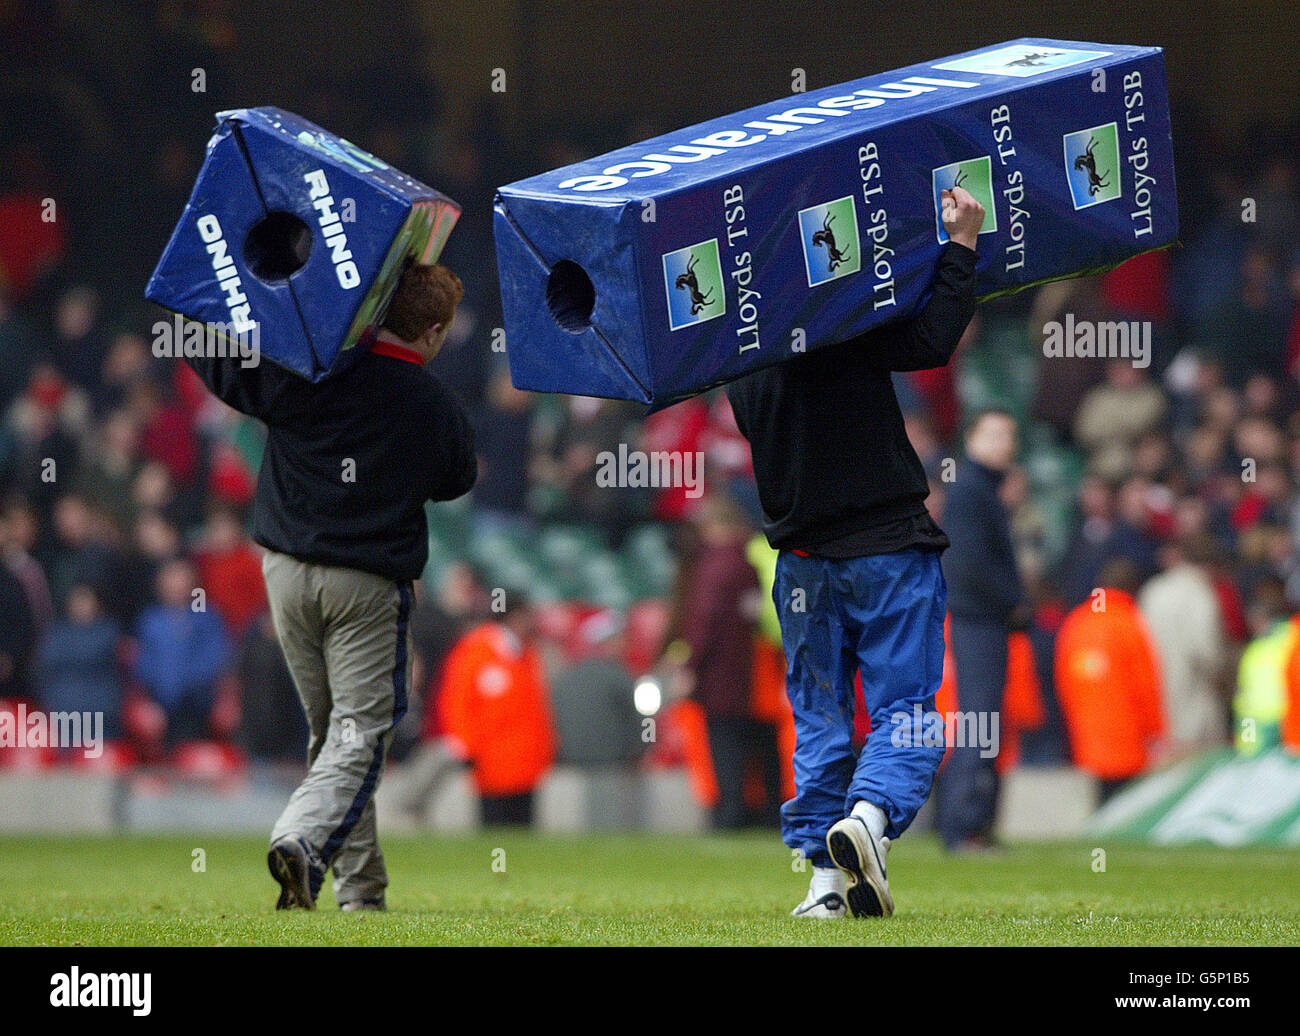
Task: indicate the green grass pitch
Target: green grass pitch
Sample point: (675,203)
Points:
(522,889)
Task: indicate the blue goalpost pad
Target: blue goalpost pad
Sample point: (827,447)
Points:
(297,236)
(660,270)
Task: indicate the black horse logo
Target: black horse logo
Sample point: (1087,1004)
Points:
(826,237)
(1034,60)
(1096,180)
(688,281)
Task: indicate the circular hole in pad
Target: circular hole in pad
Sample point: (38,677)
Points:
(277,246)
(571,296)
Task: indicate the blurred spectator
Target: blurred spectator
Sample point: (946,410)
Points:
(494,709)
(1248,330)
(1144,515)
(1115,415)
(730,466)
(1182,612)
(153,490)
(1048,744)
(80,343)
(1260,703)
(1108,682)
(597,724)
(437,625)
(678,429)
(272,727)
(230,571)
(31,242)
(47,423)
(1101,534)
(937,388)
(111,467)
(1290,723)
(503,433)
(591,431)
(438,622)
(18,533)
(985,601)
(77,664)
(719,619)
(1063,383)
(1028,526)
(166,433)
(153,541)
(17,637)
(182,650)
(80,551)
(17,350)
(125,366)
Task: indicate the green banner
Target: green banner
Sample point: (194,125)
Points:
(1220,798)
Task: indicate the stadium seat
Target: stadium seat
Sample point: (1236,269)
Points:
(23,758)
(116,758)
(207,760)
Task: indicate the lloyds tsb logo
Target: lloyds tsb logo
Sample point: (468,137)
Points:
(1092,165)
(975,175)
(830,240)
(693,282)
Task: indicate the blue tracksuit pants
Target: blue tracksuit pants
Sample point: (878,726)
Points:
(883,615)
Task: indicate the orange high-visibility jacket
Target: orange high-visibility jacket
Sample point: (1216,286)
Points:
(1108,683)
(771,704)
(1291,710)
(1022,700)
(494,708)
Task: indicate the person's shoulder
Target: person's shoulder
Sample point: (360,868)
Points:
(401,381)
(425,385)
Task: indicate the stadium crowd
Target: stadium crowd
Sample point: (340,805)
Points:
(130,586)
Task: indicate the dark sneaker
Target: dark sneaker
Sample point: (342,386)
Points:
(292,863)
(861,856)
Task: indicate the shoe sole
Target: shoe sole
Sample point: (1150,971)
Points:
(290,870)
(855,854)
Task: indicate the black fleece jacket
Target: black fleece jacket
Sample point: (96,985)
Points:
(350,460)
(836,474)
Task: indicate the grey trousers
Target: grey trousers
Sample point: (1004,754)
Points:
(345,635)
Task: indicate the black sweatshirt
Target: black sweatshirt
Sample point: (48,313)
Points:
(350,460)
(837,476)
(983,578)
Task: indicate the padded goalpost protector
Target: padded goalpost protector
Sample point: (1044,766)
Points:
(296,236)
(662,269)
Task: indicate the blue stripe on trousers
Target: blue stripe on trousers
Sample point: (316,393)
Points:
(340,835)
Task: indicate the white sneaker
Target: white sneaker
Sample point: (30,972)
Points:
(861,856)
(830,905)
